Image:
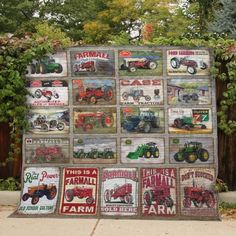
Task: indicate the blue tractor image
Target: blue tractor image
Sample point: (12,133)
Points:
(142,123)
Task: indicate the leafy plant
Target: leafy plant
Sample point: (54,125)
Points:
(10,184)
(221,186)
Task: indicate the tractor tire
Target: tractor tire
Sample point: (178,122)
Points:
(90,200)
(210,201)
(60,126)
(92,100)
(178,123)
(156,153)
(59,69)
(108,95)
(107,196)
(25,197)
(32,68)
(203,127)
(56,95)
(128,199)
(147,128)
(204,66)
(203,155)
(132,69)
(168,202)
(109,155)
(37,68)
(147,198)
(197,204)
(174,62)
(69,195)
(125,96)
(35,199)
(107,121)
(38,93)
(195,97)
(147,98)
(147,154)
(187,202)
(179,157)
(191,70)
(191,157)
(152,65)
(187,127)
(44,127)
(52,193)
(43,69)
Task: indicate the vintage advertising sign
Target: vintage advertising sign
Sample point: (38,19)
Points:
(119,192)
(47,93)
(159,191)
(94,92)
(53,121)
(188,92)
(188,62)
(142,150)
(142,120)
(46,150)
(95,120)
(52,65)
(92,63)
(94,150)
(197,195)
(191,150)
(190,120)
(79,191)
(40,190)
(140,63)
(140,92)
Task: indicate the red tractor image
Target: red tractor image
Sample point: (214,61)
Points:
(160,195)
(124,193)
(45,93)
(80,193)
(89,120)
(198,196)
(84,66)
(132,64)
(191,63)
(92,95)
(36,192)
(47,154)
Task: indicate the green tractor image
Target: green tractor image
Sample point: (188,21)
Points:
(187,123)
(147,150)
(46,65)
(191,152)
(79,154)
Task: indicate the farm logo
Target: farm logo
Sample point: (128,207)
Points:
(80,187)
(198,196)
(159,192)
(119,191)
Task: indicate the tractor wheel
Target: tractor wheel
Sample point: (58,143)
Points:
(42,68)
(52,193)
(147,198)
(152,65)
(197,204)
(108,95)
(56,95)
(60,126)
(174,62)
(191,157)
(25,197)
(37,68)
(38,93)
(48,158)
(147,154)
(147,98)
(122,67)
(90,200)
(35,199)
(187,127)
(107,121)
(203,155)
(169,202)
(204,66)
(92,100)
(210,201)
(147,128)
(187,202)
(59,69)
(191,70)
(44,127)
(32,68)
(125,96)
(194,97)
(128,199)
(178,123)
(178,157)
(132,69)
(107,196)
(69,195)
(156,153)
(203,127)
(109,155)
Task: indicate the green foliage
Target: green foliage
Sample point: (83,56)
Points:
(9,184)
(221,186)
(226,205)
